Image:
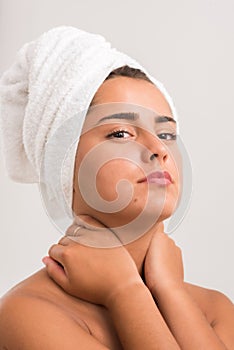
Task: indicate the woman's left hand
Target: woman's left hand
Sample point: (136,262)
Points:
(163,266)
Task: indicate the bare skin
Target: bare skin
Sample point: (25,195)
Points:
(68,322)
(60,308)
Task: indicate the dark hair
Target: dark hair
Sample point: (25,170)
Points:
(126,71)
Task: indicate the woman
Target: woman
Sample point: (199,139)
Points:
(119,296)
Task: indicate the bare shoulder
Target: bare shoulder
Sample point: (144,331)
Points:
(31,321)
(218,309)
(27,323)
(211,301)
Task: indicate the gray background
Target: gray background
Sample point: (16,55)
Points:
(188,45)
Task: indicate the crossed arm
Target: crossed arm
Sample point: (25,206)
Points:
(175,321)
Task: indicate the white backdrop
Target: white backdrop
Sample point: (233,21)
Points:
(188,45)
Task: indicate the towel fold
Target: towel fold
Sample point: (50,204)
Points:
(54,78)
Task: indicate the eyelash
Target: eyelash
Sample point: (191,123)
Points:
(116,132)
(112,134)
(173,136)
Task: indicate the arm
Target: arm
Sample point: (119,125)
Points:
(186,321)
(164,276)
(110,277)
(138,321)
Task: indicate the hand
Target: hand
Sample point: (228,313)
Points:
(93,274)
(163,266)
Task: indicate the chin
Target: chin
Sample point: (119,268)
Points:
(165,215)
(130,214)
(156,210)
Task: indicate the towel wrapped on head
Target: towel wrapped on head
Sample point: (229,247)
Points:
(54,78)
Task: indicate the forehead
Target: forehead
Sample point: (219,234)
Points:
(122,113)
(132,91)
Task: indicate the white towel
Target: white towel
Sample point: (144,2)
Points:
(54,78)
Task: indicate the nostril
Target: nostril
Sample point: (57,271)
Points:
(154,155)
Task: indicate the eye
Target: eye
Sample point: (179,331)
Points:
(118,134)
(167,136)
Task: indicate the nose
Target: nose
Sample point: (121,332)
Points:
(154,148)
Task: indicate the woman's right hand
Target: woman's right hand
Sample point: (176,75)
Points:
(109,276)
(92,273)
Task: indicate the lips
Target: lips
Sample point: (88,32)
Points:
(159,177)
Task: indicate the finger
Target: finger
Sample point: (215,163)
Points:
(56,252)
(91,232)
(55,271)
(98,238)
(73,230)
(66,240)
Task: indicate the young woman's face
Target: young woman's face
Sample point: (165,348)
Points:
(121,148)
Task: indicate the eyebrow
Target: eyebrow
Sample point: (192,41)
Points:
(134,116)
(164,118)
(126,116)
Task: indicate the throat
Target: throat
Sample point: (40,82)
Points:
(138,249)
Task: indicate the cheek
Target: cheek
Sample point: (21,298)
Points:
(130,196)
(109,176)
(174,165)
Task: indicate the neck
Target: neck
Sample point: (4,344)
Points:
(138,248)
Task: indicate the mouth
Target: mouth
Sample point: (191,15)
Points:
(158,177)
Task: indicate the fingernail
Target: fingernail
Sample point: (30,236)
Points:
(45,260)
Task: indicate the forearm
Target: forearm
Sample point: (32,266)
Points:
(138,321)
(186,321)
